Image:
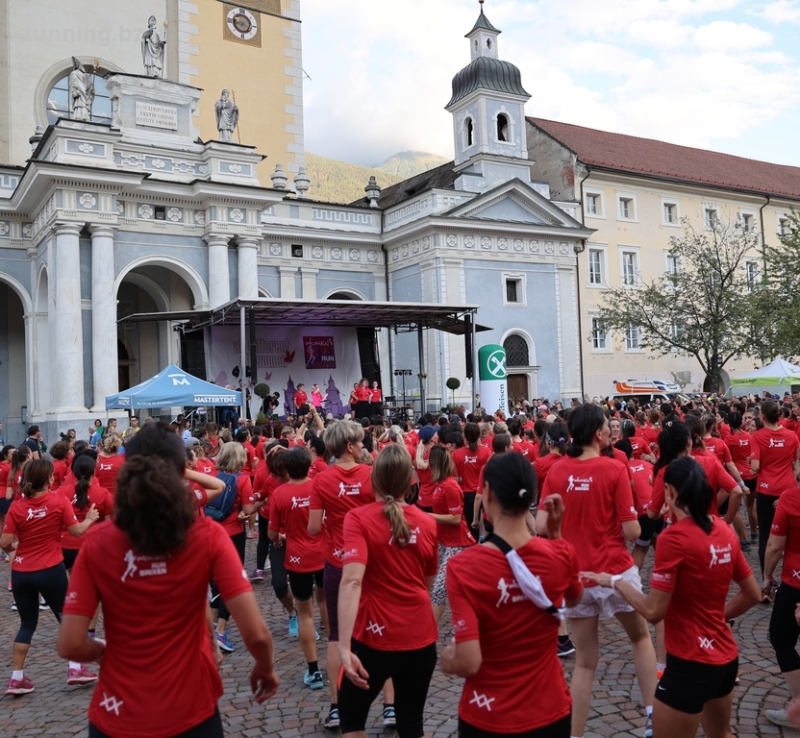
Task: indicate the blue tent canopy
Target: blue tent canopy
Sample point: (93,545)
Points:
(173,387)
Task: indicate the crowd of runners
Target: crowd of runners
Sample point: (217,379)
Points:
(530,528)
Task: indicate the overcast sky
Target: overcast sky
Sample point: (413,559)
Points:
(717,74)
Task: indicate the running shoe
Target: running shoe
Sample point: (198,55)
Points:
(294,626)
(565,649)
(779,717)
(754,537)
(43,604)
(313,681)
(745,545)
(316,636)
(648,727)
(252,534)
(25,686)
(224,643)
(14,607)
(332,721)
(81,676)
(389,717)
(258,575)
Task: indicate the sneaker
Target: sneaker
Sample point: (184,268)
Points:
(25,686)
(252,534)
(43,605)
(224,643)
(565,649)
(389,717)
(745,544)
(648,727)
(313,681)
(14,607)
(754,537)
(777,717)
(316,635)
(81,676)
(258,575)
(332,721)
(294,626)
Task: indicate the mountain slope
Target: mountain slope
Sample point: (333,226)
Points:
(408,163)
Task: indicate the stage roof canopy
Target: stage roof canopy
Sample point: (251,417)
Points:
(343,313)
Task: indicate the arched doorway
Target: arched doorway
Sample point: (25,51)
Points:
(520,362)
(14,362)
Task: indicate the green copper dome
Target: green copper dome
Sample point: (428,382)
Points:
(487,73)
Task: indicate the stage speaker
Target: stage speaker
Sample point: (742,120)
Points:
(368,353)
(193,354)
(469,347)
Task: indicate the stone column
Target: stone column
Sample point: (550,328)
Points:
(219,281)
(248,267)
(287,282)
(105,370)
(309,277)
(67,366)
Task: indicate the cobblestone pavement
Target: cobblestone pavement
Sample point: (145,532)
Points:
(55,709)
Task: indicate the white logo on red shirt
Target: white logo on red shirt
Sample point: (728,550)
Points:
(579,484)
(157,566)
(36,514)
(18,559)
(470,459)
(111,704)
(505,592)
(635,469)
(375,629)
(412,539)
(300,502)
(776,443)
(720,555)
(706,643)
(743,443)
(481,700)
(106,467)
(349,489)
(658,576)
(294,559)
(198,494)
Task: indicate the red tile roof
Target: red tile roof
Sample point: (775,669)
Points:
(617,151)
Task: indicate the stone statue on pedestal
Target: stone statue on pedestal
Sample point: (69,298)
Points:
(81,92)
(227,116)
(153,49)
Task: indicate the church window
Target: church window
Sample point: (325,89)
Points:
(503,132)
(488,43)
(517,353)
(58,105)
(469,129)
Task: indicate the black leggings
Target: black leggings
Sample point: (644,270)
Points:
(783,627)
(211,728)
(410,672)
(263,543)
(277,567)
(765,512)
(558,729)
(239,542)
(27,586)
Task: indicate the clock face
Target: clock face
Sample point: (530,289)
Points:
(242,23)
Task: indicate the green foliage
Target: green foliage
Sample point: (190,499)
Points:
(410,163)
(453,383)
(261,418)
(704,309)
(261,389)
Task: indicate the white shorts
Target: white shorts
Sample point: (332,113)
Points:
(604,600)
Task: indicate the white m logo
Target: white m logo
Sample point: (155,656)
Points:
(179,379)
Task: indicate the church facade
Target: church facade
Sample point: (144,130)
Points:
(138,213)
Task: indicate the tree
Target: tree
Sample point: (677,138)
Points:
(701,307)
(453,383)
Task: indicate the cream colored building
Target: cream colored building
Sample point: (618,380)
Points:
(253,47)
(634,193)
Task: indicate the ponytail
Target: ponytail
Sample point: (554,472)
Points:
(401,531)
(391,480)
(83,469)
(694,493)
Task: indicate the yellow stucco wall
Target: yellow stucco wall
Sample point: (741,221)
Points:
(258,77)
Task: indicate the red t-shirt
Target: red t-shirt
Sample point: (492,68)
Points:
(642,473)
(718,480)
(469,465)
(650,436)
(107,470)
(527,449)
(376,395)
(251,462)
(739,446)
(206,466)
(426,484)
(337,491)
(300,399)
(698,569)
(244,489)
(98,496)
(597,500)
(448,499)
(261,489)
(318,466)
(776,450)
(5,470)
(787,523)
(488,606)
(395,612)
(37,524)
(60,470)
(719,448)
(289,506)
(724,431)
(363,394)
(542,466)
(172,641)
(639,447)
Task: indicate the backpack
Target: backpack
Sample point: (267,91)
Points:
(220,507)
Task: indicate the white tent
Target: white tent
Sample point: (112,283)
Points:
(777,375)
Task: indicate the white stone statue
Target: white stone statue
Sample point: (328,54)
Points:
(227,116)
(81,92)
(153,49)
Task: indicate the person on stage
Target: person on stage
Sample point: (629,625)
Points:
(317,398)
(363,399)
(301,400)
(376,401)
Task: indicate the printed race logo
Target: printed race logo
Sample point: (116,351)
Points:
(579,484)
(720,555)
(375,629)
(111,704)
(154,567)
(36,514)
(706,643)
(482,701)
(346,490)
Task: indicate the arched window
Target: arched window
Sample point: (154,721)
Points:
(469,130)
(58,101)
(517,353)
(503,132)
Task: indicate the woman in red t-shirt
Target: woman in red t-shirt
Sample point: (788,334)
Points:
(5,503)
(738,442)
(158,550)
(32,530)
(363,398)
(376,400)
(599,520)
(109,462)
(697,557)
(60,452)
(497,616)
(469,460)
(452,531)
(556,439)
(390,560)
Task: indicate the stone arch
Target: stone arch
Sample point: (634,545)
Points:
(263,293)
(522,378)
(54,73)
(347,293)
(507,126)
(160,298)
(19,289)
(42,290)
(189,275)
(528,340)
